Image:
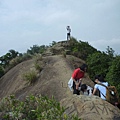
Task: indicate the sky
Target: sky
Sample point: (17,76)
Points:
(24,23)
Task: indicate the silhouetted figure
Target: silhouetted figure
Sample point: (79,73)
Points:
(68,32)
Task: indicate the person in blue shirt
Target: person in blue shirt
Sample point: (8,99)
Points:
(102,89)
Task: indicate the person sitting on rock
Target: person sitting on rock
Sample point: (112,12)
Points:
(102,89)
(83,89)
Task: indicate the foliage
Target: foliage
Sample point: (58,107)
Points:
(30,76)
(14,61)
(64,54)
(33,108)
(36,49)
(13,53)
(1,71)
(26,56)
(4,60)
(80,49)
(110,51)
(53,43)
(38,57)
(38,62)
(38,67)
(98,63)
(113,76)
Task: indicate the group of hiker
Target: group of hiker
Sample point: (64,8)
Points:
(75,85)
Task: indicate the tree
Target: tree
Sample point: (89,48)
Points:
(98,64)
(36,49)
(80,49)
(110,51)
(53,43)
(13,53)
(33,50)
(5,59)
(113,76)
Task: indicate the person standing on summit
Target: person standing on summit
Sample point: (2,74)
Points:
(68,32)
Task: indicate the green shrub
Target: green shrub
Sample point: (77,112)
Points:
(38,57)
(1,71)
(113,76)
(64,54)
(15,61)
(38,67)
(33,108)
(26,56)
(38,62)
(30,76)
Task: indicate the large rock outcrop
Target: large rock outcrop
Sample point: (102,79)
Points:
(90,108)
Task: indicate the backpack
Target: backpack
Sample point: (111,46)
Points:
(111,94)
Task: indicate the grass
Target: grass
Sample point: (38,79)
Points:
(30,76)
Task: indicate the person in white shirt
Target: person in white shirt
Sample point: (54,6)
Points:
(68,32)
(102,89)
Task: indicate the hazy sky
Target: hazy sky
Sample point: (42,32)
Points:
(24,23)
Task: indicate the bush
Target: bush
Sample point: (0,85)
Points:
(113,76)
(26,56)
(33,108)
(1,71)
(38,57)
(38,62)
(98,64)
(15,61)
(38,67)
(64,54)
(30,76)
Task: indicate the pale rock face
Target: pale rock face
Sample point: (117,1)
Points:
(90,108)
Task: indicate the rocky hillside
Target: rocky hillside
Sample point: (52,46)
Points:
(52,81)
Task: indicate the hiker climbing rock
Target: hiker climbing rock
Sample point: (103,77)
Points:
(68,32)
(108,93)
(102,89)
(76,78)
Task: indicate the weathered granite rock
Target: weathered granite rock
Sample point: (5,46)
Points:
(90,108)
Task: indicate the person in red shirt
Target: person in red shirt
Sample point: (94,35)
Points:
(77,76)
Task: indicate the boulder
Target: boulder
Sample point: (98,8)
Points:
(90,108)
